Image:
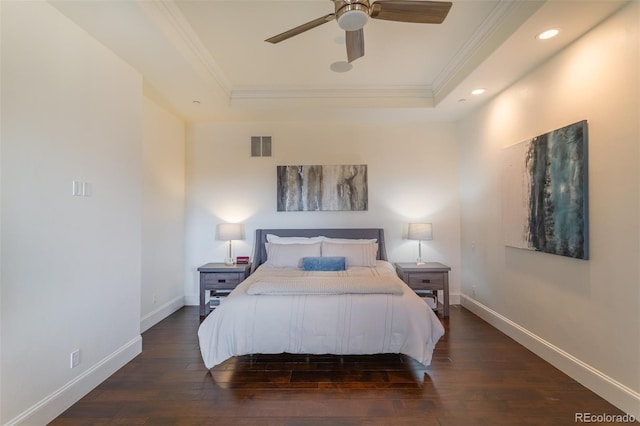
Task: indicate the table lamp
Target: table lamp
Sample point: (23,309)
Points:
(229,232)
(420,232)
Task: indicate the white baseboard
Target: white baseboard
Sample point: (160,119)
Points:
(56,403)
(454,298)
(157,315)
(623,397)
(192,300)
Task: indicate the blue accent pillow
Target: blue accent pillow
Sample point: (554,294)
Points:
(329,263)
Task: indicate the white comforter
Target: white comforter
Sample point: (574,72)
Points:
(337,322)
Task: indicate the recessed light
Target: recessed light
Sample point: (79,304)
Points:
(478,91)
(341,66)
(545,35)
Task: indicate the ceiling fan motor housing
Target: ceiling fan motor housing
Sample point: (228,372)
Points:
(352,15)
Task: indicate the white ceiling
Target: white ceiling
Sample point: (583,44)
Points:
(206,60)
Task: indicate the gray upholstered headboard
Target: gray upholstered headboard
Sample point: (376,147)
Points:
(260,253)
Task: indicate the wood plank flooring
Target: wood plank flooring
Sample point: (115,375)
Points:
(478,376)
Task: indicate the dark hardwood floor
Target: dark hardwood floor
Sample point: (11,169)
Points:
(478,376)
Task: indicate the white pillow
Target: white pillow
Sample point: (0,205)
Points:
(275,239)
(290,255)
(351,240)
(363,254)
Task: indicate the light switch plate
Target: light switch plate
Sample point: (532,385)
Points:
(86,189)
(76,188)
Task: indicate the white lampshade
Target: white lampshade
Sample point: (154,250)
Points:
(420,231)
(231,231)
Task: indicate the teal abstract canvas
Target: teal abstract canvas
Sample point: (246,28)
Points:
(545,193)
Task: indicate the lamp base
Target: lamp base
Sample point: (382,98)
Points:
(419,261)
(229,261)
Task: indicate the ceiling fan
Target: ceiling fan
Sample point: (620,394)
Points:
(352,15)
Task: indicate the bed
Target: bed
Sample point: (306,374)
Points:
(320,291)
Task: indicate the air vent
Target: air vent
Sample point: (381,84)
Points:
(261,146)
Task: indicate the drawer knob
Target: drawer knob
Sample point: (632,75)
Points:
(222,281)
(426,281)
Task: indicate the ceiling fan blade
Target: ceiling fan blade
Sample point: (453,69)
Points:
(355,44)
(421,12)
(301,28)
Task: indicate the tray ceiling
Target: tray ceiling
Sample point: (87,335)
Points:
(207,60)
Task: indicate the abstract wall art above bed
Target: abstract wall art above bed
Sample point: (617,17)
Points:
(322,188)
(545,193)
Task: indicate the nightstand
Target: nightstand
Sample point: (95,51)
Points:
(430,276)
(219,278)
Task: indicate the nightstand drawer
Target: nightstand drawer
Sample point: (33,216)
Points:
(426,280)
(221,280)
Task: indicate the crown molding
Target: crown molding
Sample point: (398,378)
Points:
(503,20)
(169,17)
(248,92)
(389,96)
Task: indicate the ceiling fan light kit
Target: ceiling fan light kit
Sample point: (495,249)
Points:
(353,21)
(353,15)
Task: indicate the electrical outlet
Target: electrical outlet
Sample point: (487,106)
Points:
(75,358)
(155,299)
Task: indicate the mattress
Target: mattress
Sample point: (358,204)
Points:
(321,320)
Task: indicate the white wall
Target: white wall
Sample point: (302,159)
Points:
(412,175)
(71,110)
(581,315)
(163,152)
